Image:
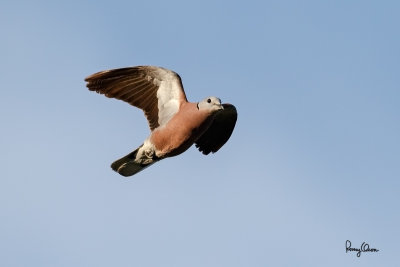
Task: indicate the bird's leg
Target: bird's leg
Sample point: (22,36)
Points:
(146,154)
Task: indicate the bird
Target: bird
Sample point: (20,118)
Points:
(175,123)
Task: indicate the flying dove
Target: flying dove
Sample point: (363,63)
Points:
(175,123)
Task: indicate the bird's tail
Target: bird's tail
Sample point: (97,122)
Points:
(126,166)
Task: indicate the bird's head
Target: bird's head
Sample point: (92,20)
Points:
(210,103)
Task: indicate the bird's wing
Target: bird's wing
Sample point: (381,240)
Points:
(157,91)
(219,131)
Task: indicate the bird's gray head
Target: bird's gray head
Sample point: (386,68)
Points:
(210,103)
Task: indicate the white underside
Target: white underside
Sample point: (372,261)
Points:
(145,154)
(169,97)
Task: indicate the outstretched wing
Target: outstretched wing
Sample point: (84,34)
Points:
(157,91)
(219,131)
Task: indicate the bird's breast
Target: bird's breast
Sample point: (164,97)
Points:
(180,132)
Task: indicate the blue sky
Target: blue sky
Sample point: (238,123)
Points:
(313,161)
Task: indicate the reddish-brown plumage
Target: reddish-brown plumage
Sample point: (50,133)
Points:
(175,123)
(181,131)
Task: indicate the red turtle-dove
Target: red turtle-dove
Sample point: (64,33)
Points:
(175,123)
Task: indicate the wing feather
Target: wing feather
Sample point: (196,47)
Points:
(155,90)
(219,132)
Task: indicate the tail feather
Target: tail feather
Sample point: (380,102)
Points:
(126,166)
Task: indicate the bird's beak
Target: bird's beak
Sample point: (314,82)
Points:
(221,106)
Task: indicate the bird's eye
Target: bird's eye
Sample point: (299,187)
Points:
(208,100)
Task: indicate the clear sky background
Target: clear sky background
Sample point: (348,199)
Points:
(314,159)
